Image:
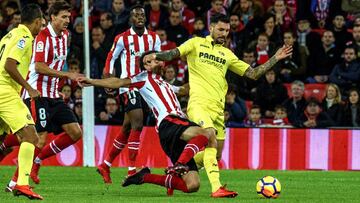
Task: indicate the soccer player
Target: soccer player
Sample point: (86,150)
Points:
(129,45)
(208,62)
(180,138)
(49,111)
(15,54)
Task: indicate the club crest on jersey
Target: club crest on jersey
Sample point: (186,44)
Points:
(133,101)
(21,43)
(43,124)
(39,47)
(28,116)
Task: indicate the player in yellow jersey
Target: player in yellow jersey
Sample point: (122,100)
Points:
(208,61)
(15,56)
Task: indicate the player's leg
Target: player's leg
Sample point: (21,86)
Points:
(16,115)
(135,112)
(9,141)
(118,145)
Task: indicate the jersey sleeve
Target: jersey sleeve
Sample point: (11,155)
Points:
(139,80)
(17,52)
(236,65)
(113,54)
(40,48)
(187,47)
(157,46)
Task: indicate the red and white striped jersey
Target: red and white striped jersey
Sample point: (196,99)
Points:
(52,50)
(130,46)
(158,94)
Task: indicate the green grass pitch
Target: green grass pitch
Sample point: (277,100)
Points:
(82,184)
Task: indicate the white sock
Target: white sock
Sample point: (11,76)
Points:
(12,183)
(131,168)
(107,163)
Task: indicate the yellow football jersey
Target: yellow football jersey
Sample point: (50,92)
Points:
(208,63)
(17,45)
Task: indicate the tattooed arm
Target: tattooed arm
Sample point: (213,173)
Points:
(168,55)
(257,72)
(163,56)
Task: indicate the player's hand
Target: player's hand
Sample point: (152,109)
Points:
(149,57)
(34,94)
(74,76)
(83,81)
(283,52)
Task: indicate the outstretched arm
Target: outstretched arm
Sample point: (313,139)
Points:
(107,82)
(257,72)
(163,56)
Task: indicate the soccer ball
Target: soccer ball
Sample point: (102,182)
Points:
(268,187)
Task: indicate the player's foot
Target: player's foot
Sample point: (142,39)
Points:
(34,175)
(178,169)
(137,178)
(223,192)
(170,191)
(9,188)
(104,171)
(26,191)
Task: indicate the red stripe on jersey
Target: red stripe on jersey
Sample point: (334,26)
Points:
(171,97)
(146,42)
(138,85)
(153,35)
(110,55)
(159,92)
(136,49)
(126,47)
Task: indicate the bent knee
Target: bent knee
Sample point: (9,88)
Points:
(193,186)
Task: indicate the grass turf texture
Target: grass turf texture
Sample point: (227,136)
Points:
(77,184)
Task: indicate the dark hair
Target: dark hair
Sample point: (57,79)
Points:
(232,88)
(313,100)
(254,106)
(30,12)
(13,5)
(280,107)
(109,15)
(59,6)
(219,18)
(136,6)
(141,62)
(248,51)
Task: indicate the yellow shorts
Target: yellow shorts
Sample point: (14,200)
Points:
(208,117)
(14,113)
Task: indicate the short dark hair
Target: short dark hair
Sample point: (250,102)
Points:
(13,5)
(141,62)
(59,6)
(30,12)
(136,6)
(108,15)
(219,18)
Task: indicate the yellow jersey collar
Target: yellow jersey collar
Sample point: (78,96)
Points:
(26,30)
(211,40)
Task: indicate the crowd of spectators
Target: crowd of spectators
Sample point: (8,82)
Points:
(325,36)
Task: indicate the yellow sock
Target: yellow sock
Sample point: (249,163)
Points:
(212,168)
(25,161)
(199,159)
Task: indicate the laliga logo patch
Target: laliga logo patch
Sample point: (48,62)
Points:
(21,44)
(28,116)
(39,47)
(201,123)
(43,124)
(133,101)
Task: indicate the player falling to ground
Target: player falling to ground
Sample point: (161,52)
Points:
(129,45)
(15,54)
(49,111)
(180,138)
(208,62)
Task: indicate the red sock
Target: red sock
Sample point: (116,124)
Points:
(192,147)
(119,144)
(11,140)
(168,181)
(15,176)
(61,142)
(133,146)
